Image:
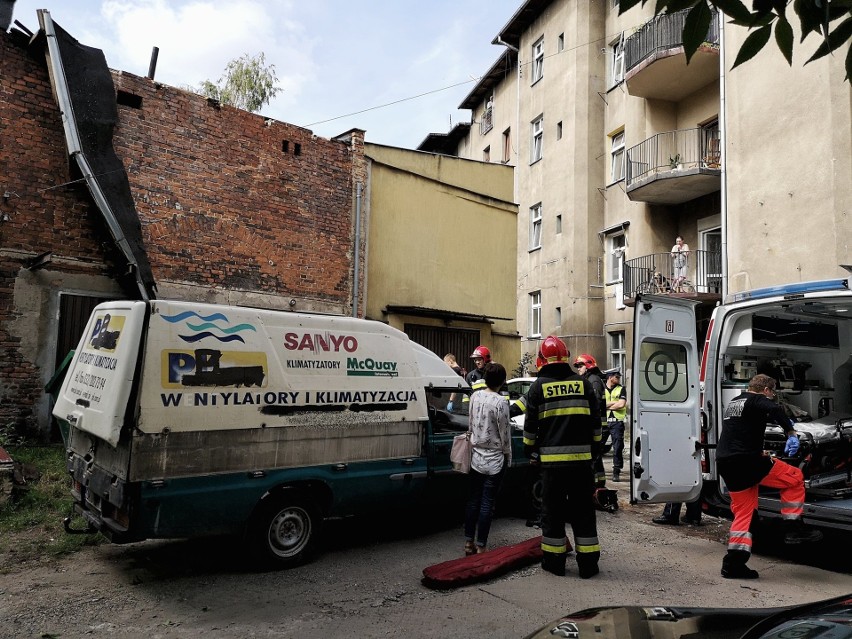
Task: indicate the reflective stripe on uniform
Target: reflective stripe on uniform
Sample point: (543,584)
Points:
(521,404)
(554,545)
(562,457)
(739,540)
(587,544)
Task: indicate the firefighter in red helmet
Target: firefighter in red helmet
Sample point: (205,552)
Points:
(476,378)
(563,416)
(587,366)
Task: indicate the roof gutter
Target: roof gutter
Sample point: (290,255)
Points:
(75,149)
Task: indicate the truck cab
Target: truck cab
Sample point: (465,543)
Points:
(800,334)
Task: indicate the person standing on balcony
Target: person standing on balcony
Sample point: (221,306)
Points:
(680,260)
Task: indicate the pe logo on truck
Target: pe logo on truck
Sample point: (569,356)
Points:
(210,367)
(106,332)
(215,325)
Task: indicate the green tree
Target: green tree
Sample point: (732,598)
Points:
(248,83)
(830,19)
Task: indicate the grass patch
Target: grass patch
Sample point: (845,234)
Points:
(31,527)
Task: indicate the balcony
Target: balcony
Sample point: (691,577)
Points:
(487,122)
(674,167)
(655,64)
(654,274)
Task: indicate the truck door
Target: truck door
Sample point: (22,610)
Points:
(665,413)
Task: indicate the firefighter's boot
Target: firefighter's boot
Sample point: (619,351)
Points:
(587,566)
(553,563)
(734,565)
(798,533)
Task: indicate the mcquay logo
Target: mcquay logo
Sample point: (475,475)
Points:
(370,367)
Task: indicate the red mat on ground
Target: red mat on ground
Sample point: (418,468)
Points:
(467,570)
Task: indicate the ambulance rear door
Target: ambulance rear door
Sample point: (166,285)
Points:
(665,414)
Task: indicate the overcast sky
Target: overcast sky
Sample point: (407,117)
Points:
(332,57)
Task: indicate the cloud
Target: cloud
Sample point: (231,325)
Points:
(197,39)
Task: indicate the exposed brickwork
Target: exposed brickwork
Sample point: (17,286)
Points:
(222,204)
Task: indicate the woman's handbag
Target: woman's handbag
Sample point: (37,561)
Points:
(461,453)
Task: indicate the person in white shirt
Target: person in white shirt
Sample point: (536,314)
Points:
(492,454)
(680,261)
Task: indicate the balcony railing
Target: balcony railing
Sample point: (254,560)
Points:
(673,151)
(662,33)
(655,274)
(487,123)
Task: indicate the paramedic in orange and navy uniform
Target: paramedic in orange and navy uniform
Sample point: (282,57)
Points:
(562,418)
(744,466)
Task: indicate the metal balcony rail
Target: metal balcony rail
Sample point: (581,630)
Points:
(673,151)
(662,33)
(655,274)
(487,123)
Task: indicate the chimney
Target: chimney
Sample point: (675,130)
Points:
(6,10)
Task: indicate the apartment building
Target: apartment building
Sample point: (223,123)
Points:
(619,147)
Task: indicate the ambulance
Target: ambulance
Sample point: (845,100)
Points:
(800,334)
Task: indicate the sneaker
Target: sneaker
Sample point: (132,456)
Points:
(738,571)
(616,476)
(469,548)
(803,536)
(665,521)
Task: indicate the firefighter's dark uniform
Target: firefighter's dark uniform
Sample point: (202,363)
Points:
(476,379)
(602,433)
(562,419)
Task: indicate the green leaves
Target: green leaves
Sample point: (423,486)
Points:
(753,44)
(248,83)
(832,19)
(695,28)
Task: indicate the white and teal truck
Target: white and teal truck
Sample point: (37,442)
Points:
(193,419)
(800,334)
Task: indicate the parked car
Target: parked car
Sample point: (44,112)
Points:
(828,618)
(518,386)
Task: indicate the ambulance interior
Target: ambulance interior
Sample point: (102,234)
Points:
(806,345)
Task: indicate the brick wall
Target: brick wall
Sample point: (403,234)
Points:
(228,202)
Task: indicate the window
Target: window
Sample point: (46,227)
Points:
(617,155)
(616,247)
(486,154)
(487,122)
(535,227)
(617,352)
(507,145)
(616,70)
(558,224)
(538,60)
(535,314)
(558,130)
(537,134)
(560,43)
(558,316)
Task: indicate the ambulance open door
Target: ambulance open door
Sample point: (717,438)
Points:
(665,416)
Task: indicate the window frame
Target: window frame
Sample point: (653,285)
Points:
(535,314)
(618,152)
(537,60)
(537,139)
(616,67)
(616,245)
(618,350)
(535,227)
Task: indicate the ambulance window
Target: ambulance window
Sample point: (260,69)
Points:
(662,372)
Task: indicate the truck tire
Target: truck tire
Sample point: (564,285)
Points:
(283,532)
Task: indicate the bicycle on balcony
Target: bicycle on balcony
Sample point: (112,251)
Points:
(659,284)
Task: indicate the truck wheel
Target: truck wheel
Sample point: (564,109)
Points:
(284,531)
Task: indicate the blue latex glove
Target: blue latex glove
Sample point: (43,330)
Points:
(450,407)
(792,446)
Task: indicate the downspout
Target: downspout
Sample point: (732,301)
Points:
(356,289)
(75,149)
(723,135)
(500,40)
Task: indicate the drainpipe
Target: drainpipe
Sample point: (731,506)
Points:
(499,40)
(355,288)
(723,137)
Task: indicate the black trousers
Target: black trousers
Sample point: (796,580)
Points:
(567,496)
